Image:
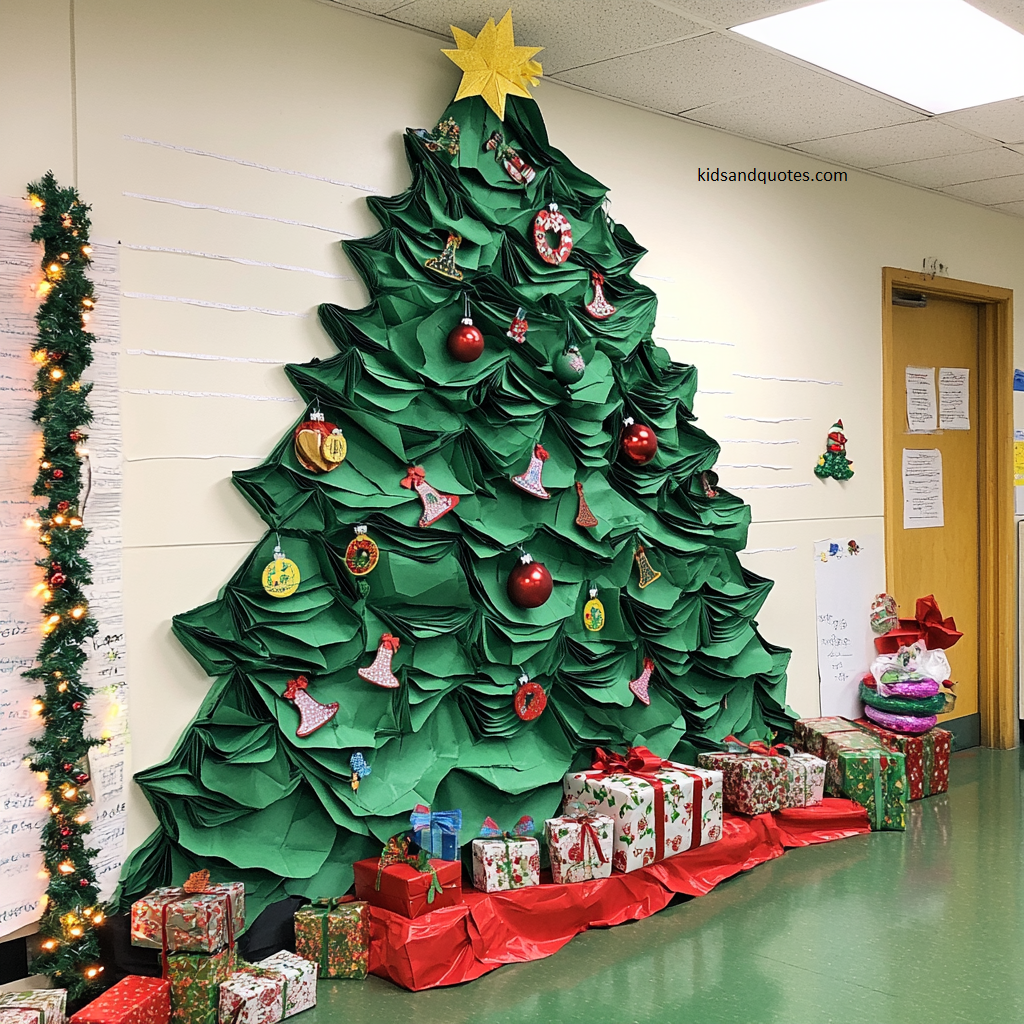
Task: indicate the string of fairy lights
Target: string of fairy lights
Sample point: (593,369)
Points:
(69,948)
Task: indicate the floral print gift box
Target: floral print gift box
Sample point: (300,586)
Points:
(660,808)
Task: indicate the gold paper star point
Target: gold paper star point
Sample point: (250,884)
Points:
(492,65)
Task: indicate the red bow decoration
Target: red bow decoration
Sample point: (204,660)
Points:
(294,685)
(588,833)
(760,747)
(540,452)
(937,633)
(389,641)
(635,761)
(415,475)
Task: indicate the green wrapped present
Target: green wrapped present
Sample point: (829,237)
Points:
(877,780)
(195,982)
(335,933)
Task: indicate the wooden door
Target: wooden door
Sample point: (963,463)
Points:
(944,561)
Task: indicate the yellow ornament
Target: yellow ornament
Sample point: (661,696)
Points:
(593,613)
(492,65)
(281,577)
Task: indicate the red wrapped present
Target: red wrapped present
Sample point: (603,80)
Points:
(22,1015)
(403,888)
(133,1000)
(927,757)
(937,633)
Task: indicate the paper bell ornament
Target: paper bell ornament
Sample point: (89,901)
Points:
(530,480)
(648,574)
(379,673)
(599,307)
(435,504)
(319,446)
(445,263)
(640,685)
(550,220)
(312,714)
(584,517)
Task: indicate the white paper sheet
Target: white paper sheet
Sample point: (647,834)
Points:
(921,408)
(21,813)
(846,579)
(922,488)
(954,398)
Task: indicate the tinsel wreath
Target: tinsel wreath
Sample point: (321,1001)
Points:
(69,950)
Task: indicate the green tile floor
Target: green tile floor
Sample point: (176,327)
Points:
(921,926)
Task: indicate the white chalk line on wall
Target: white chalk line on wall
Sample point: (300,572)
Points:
(189,205)
(755,440)
(713,391)
(206,394)
(249,163)
(191,458)
(761,551)
(655,277)
(696,341)
(751,465)
(761,487)
(791,380)
(768,419)
(213,305)
(201,355)
(236,259)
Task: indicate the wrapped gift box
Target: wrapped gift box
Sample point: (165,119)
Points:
(251,996)
(51,1001)
(300,980)
(25,1015)
(405,890)
(437,832)
(806,780)
(506,863)
(196,922)
(825,737)
(334,934)
(877,780)
(810,734)
(927,757)
(195,979)
(133,1000)
(660,808)
(580,847)
(751,783)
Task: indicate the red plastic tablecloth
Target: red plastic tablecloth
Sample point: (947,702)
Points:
(458,944)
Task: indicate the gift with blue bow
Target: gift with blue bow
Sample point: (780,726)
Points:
(436,832)
(506,859)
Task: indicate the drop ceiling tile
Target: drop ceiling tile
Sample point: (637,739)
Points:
(371,6)
(572,32)
(1014,209)
(1002,121)
(1009,12)
(802,105)
(899,144)
(940,171)
(992,191)
(727,13)
(680,76)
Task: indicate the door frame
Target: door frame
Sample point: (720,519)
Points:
(997,595)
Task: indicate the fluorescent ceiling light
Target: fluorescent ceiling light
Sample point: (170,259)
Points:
(938,55)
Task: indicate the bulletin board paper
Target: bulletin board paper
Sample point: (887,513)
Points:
(922,410)
(923,503)
(847,576)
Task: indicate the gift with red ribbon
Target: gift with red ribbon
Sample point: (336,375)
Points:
(755,776)
(579,845)
(200,919)
(938,633)
(506,859)
(660,808)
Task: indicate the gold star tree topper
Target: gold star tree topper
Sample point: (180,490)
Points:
(492,65)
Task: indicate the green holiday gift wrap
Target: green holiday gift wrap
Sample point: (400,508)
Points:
(195,983)
(335,935)
(877,780)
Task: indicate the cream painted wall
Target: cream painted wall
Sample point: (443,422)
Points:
(786,276)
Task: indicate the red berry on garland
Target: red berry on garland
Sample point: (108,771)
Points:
(639,442)
(58,474)
(65,846)
(82,778)
(529,583)
(77,706)
(75,435)
(83,882)
(531,700)
(466,342)
(68,767)
(63,506)
(65,831)
(58,579)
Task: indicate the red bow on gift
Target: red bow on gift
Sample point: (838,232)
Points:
(760,747)
(294,685)
(392,643)
(635,761)
(936,632)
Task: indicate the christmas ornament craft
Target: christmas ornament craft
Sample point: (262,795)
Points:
(515,166)
(492,65)
(647,572)
(638,442)
(360,769)
(529,583)
(599,307)
(362,553)
(281,577)
(380,672)
(435,504)
(640,684)
(517,329)
(530,700)
(593,613)
(568,366)
(550,220)
(466,342)
(530,481)
(584,517)
(834,463)
(312,714)
(709,483)
(445,135)
(445,263)
(319,446)
(883,615)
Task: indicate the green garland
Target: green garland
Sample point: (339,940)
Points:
(63,349)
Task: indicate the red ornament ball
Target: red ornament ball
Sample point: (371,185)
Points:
(65,846)
(81,779)
(77,706)
(83,882)
(639,442)
(466,343)
(529,583)
(58,474)
(58,579)
(68,767)
(75,435)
